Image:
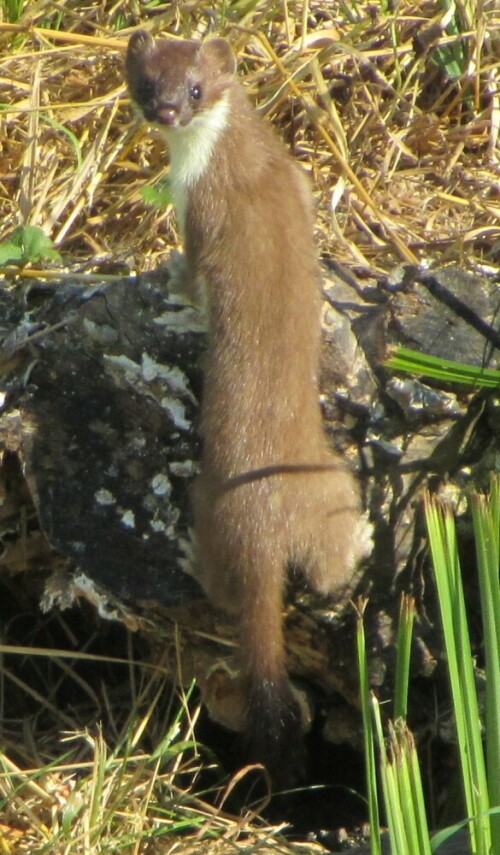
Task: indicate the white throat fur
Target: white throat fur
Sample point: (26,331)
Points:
(191,148)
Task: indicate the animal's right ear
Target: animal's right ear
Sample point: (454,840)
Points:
(140,42)
(218,51)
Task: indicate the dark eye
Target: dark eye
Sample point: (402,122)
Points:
(145,90)
(195,92)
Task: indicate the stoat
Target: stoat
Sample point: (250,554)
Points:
(271,493)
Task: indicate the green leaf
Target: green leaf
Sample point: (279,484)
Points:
(159,195)
(35,243)
(27,243)
(10,252)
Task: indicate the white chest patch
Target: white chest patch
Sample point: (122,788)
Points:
(191,149)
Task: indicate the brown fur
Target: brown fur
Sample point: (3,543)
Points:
(271,491)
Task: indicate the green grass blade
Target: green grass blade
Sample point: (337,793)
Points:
(369,742)
(421,364)
(399,770)
(417,795)
(405,796)
(442,537)
(390,788)
(403,648)
(486,520)
(445,834)
(407,822)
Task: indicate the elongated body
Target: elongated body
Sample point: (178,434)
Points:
(271,492)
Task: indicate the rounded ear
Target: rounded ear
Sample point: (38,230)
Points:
(140,42)
(218,51)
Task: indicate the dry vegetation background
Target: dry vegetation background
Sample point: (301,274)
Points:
(392,107)
(394,110)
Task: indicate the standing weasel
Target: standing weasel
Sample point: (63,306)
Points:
(271,492)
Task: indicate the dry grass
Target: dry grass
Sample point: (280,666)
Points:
(98,751)
(396,116)
(403,157)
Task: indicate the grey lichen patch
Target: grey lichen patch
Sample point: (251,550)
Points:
(166,527)
(169,386)
(104,497)
(161,485)
(123,364)
(185,321)
(63,591)
(159,527)
(175,379)
(177,412)
(128,519)
(101,333)
(184,468)
(163,514)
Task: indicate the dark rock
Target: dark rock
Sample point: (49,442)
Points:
(100,390)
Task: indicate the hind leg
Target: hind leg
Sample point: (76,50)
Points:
(333,535)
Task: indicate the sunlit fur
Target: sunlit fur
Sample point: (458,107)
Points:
(271,493)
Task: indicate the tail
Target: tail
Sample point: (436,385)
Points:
(273,722)
(244,553)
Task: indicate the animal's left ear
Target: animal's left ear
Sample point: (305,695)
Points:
(219,52)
